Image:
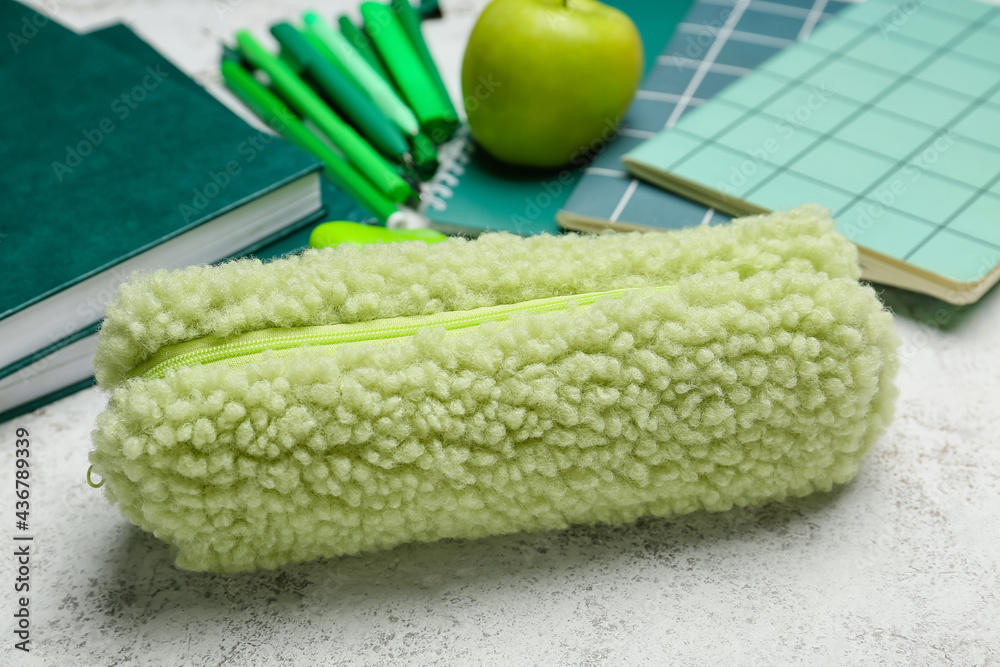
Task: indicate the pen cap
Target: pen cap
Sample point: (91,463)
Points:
(293,45)
(436,115)
(410,21)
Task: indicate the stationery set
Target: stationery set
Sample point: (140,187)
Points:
(366,100)
(97,188)
(886,119)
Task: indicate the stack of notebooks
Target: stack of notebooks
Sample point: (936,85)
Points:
(886,117)
(718,43)
(114,161)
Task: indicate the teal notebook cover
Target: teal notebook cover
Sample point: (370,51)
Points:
(889,122)
(475,193)
(106,155)
(718,43)
(336,206)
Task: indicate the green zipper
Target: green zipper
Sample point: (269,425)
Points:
(245,348)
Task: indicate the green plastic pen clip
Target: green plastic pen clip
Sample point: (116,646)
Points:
(304,100)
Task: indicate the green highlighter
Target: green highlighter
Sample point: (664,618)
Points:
(375,167)
(360,40)
(332,234)
(410,20)
(348,100)
(436,115)
(279,117)
(368,79)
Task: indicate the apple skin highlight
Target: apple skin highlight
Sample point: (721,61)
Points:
(562,73)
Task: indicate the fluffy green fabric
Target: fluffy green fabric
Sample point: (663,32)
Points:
(766,372)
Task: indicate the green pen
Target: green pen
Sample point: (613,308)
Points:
(360,40)
(365,158)
(325,51)
(425,159)
(411,24)
(368,79)
(280,118)
(349,101)
(436,115)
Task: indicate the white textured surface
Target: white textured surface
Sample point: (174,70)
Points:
(900,567)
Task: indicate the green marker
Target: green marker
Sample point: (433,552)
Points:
(368,79)
(436,114)
(365,158)
(325,51)
(349,101)
(360,40)
(411,24)
(280,118)
(332,234)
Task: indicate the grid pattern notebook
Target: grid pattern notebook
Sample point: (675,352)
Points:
(887,115)
(719,42)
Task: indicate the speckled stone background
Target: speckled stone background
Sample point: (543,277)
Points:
(898,568)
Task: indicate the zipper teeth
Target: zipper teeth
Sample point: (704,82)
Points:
(361,332)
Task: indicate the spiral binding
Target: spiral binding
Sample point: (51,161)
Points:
(454,156)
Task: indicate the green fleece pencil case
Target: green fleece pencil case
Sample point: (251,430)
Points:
(358,398)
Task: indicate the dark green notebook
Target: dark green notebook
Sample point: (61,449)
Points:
(65,367)
(114,163)
(474,193)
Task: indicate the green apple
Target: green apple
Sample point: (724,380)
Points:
(547,80)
